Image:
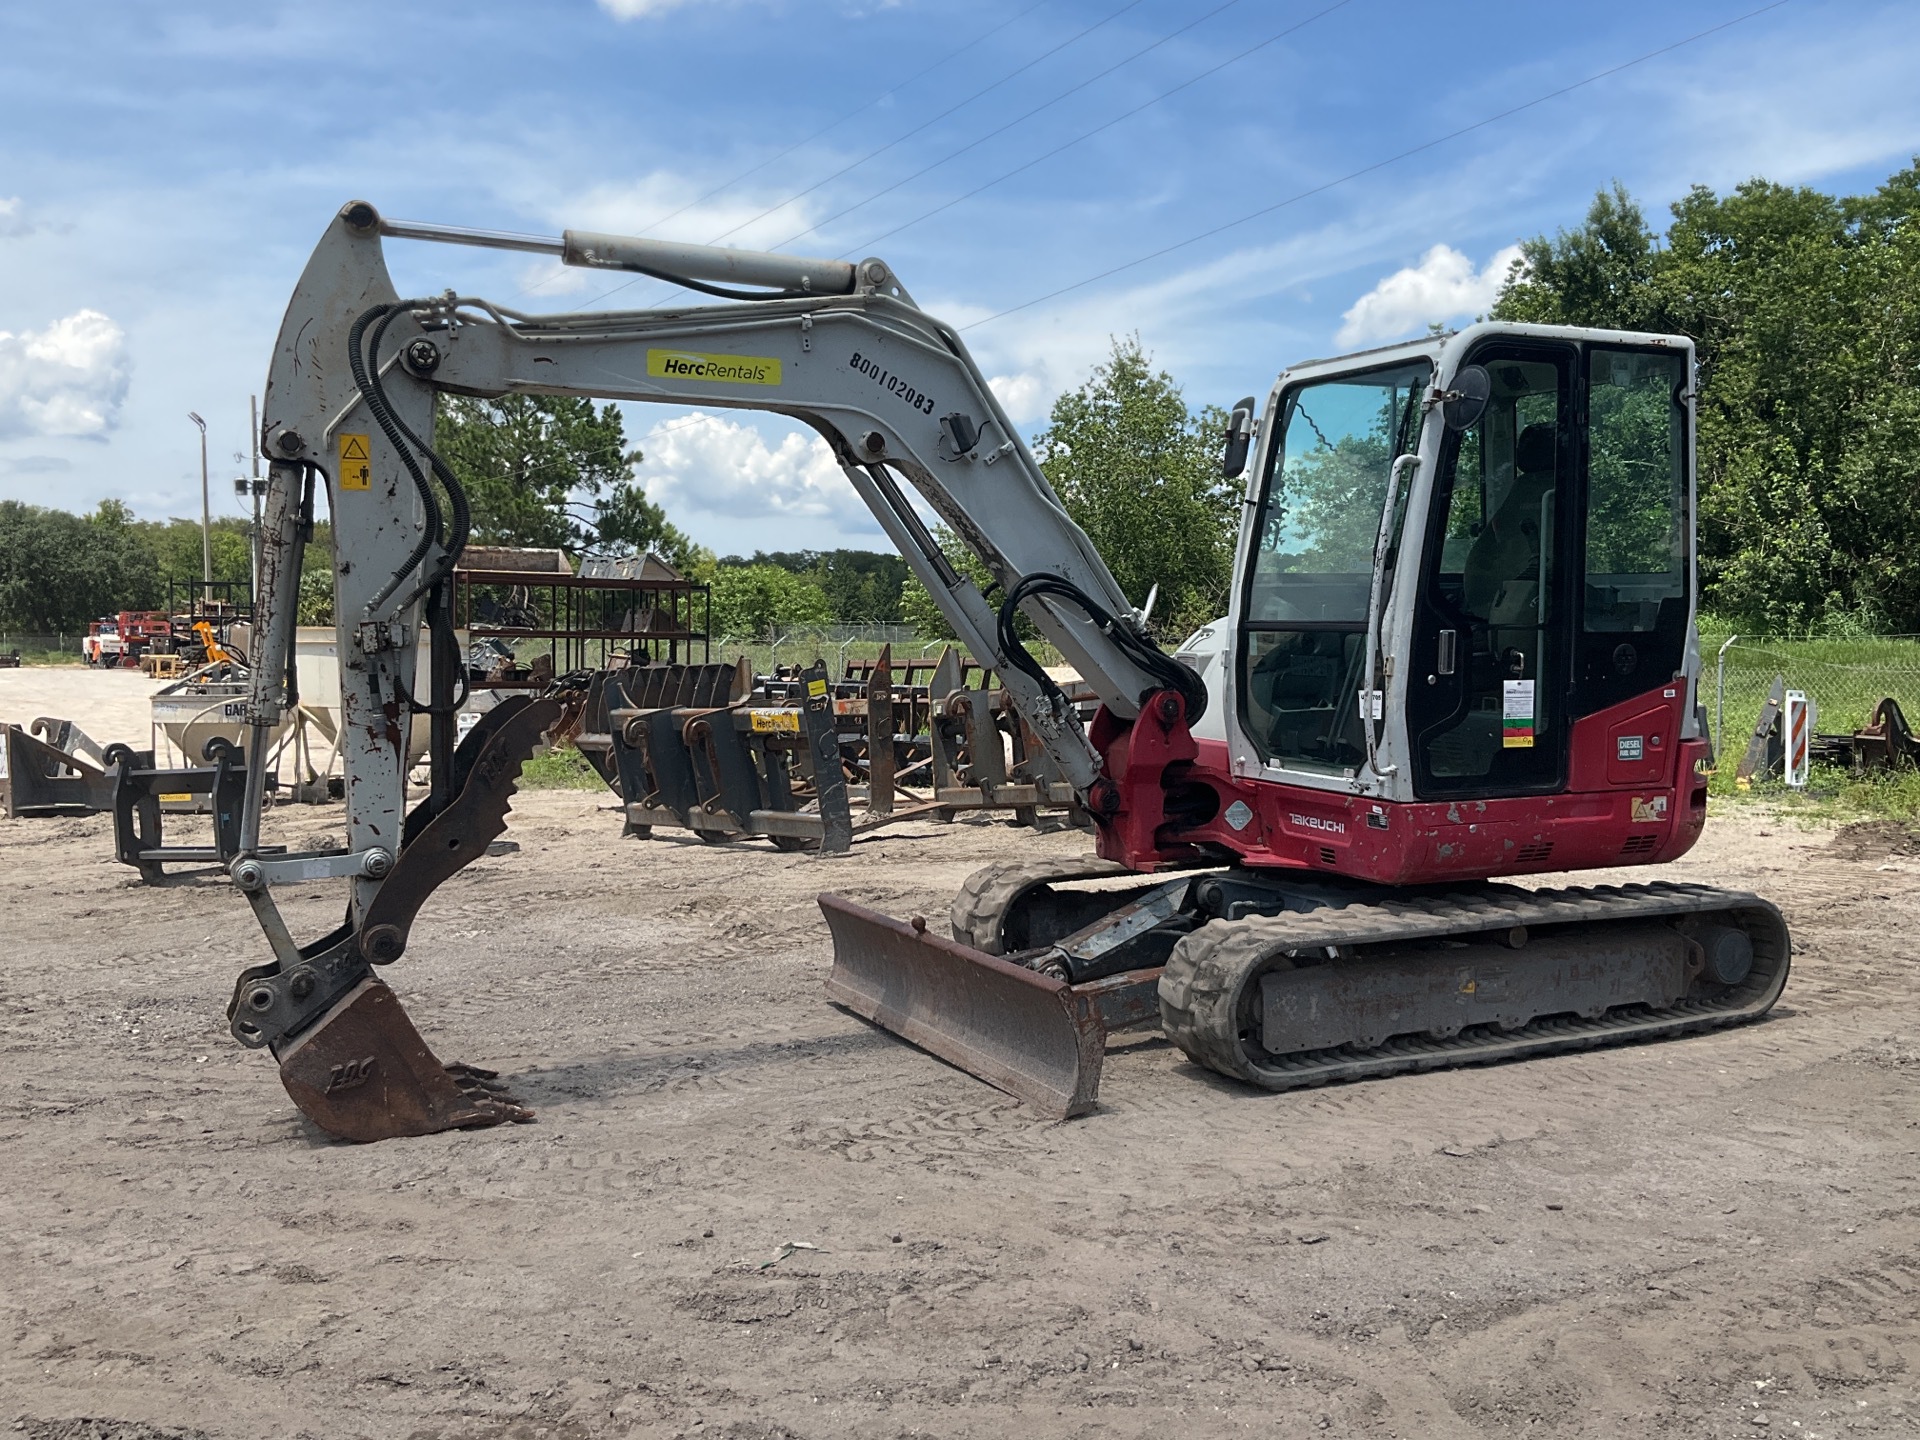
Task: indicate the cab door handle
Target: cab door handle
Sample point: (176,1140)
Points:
(1444,661)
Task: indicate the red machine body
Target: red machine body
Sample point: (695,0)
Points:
(1612,811)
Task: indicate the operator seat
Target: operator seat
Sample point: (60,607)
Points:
(1502,578)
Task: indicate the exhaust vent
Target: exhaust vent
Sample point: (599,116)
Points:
(1534,854)
(1639,844)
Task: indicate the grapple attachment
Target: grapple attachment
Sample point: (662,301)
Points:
(363,1073)
(1027,1033)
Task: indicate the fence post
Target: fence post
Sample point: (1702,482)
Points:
(1720,694)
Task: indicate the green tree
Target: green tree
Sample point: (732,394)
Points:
(862,586)
(58,570)
(1805,312)
(761,601)
(175,545)
(1140,473)
(1597,274)
(554,472)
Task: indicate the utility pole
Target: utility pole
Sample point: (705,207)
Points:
(206,516)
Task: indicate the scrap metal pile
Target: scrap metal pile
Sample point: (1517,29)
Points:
(727,754)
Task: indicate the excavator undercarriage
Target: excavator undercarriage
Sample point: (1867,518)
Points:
(1292,982)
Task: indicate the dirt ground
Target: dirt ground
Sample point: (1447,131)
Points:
(1714,1236)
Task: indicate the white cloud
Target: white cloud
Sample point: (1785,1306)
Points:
(68,379)
(638,9)
(707,463)
(1443,286)
(13,219)
(1025,396)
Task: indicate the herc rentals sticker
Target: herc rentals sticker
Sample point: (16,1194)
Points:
(693,365)
(1516,714)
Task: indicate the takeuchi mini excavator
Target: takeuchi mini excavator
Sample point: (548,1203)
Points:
(1460,649)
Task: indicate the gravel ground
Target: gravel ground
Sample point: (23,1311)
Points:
(744,1213)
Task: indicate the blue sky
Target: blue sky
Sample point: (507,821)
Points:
(164,170)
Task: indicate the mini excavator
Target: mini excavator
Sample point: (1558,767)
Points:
(1460,648)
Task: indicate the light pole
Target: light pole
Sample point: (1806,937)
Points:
(206,517)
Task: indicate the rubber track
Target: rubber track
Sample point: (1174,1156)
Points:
(983,902)
(1209,971)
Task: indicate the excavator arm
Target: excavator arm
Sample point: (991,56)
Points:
(349,408)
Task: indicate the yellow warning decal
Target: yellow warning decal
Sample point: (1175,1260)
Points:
(693,365)
(816,688)
(356,463)
(180,799)
(775,722)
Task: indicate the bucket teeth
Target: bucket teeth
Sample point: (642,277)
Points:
(363,1073)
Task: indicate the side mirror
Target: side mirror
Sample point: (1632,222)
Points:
(1239,439)
(1466,402)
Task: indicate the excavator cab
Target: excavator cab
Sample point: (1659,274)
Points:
(1535,562)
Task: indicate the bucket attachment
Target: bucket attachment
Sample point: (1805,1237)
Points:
(363,1073)
(1027,1033)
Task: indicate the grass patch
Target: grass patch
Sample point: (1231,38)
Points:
(562,769)
(1832,796)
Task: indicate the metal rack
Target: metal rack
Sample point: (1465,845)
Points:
(588,618)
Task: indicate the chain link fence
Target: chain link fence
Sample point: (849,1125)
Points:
(42,649)
(1845,679)
(840,645)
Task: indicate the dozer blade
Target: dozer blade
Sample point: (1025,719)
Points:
(1029,1034)
(363,1073)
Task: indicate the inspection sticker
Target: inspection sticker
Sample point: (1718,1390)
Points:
(695,365)
(1516,714)
(356,463)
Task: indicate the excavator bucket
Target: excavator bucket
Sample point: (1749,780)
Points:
(1027,1033)
(363,1073)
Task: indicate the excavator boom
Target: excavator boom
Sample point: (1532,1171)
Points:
(349,409)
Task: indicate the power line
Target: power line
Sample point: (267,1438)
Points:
(1010,124)
(946,59)
(867,247)
(1017,120)
(845,169)
(1351,175)
(934,120)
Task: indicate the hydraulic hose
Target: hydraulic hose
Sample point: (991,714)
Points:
(366,378)
(375,398)
(1171,674)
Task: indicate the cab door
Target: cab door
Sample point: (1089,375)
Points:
(1488,674)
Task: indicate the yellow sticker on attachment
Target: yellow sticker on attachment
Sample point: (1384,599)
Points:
(816,688)
(356,463)
(775,722)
